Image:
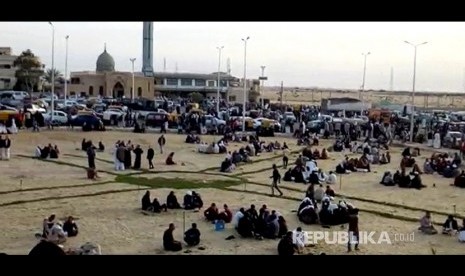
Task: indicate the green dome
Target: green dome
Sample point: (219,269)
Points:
(105,62)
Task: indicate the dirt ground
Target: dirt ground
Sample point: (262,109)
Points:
(107,209)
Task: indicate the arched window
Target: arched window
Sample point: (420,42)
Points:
(139,92)
(91,90)
(100,90)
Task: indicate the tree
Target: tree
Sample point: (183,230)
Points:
(253,95)
(48,75)
(196,97)
(29,70)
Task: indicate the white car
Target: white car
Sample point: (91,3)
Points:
(112,115)
(35,108)
(59,117)
(258,122)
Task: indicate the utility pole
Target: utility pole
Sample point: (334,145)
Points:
(281,93)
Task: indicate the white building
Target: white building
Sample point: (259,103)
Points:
(7,70)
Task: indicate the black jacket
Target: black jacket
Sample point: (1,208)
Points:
(150,153)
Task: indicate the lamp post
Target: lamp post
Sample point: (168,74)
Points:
(218,84)
(66,69)
(413,88)
(245,82)
(363,82)
(132,92)
(53,71)
(263,83)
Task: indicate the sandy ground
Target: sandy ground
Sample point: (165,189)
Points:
(433,100)
(114,221)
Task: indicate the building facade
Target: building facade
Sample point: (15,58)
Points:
(7,70)
(105,81)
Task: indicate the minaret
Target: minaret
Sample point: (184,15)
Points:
(147,51)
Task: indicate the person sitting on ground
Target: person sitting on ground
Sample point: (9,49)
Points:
(457,160)
(298,239)
(406,152)
(226,215)
(404,180)
(146,202)
(322,177)
(288,175)
(387,179)
(172,201)
(383,159)
(54,152)
(396,177)
(332,178)
(271,227)
(169,159)
(426,226)
(101,147)
(70,227)
(192,236)
(237,217)
(226,166)
(286,246)
(460,180)
(324,154)
(316,154)
(284,146)
(282,227)
(319,193)
(416,182)
(157,207)
(57,235)
(329,191)
(462,232)
(427,168)
(450,226)
(169,243)
(211,213)
(450,171)
(363,163)
(197,200)
(188,201)
(45,152)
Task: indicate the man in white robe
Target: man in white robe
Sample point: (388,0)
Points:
(437,141)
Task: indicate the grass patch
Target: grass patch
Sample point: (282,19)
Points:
(57,187)
(175,183)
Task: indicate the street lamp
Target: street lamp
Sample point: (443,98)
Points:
(413,88)
(245,82)
(66,69)
(132,93)
(218,85)
(363,80)
(53,70)
(263,83)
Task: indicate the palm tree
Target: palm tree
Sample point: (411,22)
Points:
(29,70)
(48,75)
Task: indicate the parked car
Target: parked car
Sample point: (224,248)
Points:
(59,117)
(315,126)
(211,122)
(111,116)
(88,119)
(258,122)
(452,139)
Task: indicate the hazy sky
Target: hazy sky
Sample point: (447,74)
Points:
(322,54)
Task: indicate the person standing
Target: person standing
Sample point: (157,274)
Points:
(161,143)
(91,156)
(2,147)
(150,155)
(7,145)
(354,236)
(276,179)
(138,152)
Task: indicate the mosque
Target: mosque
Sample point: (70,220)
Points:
(105,81)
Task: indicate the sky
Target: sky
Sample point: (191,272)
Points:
(300,54)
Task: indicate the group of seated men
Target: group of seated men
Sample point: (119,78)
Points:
(214,147)
(348,165)
(442,164)
(192,200)
(56,232)
(402,179)
(262,224)
(449,227)
(47,152)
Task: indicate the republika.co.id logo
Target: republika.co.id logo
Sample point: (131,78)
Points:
(344,237)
